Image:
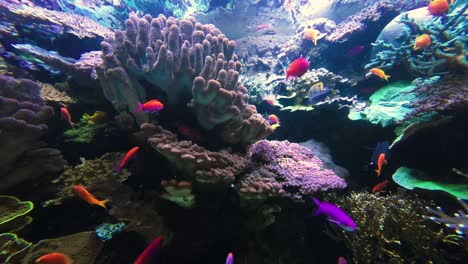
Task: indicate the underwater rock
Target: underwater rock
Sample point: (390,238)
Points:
(23,118)
(284,169)
(445,54)
(83,248)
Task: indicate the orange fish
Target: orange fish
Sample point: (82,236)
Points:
(380,162)
(379,73)
(422,42)
(273,119)
(81,192)
(54,258)
(126,158)
(151,106)
(313,35)
(270,99)
(66,115)
(380,186)
(438,7)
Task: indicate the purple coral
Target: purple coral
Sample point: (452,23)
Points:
(286,169)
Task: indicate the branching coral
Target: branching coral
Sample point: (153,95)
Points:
(446,52)
(281,168)
(391,230)
(458,221)
(184,60)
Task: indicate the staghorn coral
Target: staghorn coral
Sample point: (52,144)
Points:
(391,230)
(187,62)
(459,221)
(86,173)
(446,53)
(23,118)
(196,162)
(281,168)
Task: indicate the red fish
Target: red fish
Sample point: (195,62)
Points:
(230,258)
(188,132)
(273,119)
(151,252)
(380,186)
(54,258)
(438,7)
(150,106)
(380,162)
(126,158)
(81,192)
(66,115)
(297,68)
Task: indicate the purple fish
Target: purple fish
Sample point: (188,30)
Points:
(354,51)
(335,215)
(342,260)
(230,258)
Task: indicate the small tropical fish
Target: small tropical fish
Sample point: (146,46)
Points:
(66,115)
(230,258)
(335,215)
(438,7)
(273,119)
(342,260)
(380,156)
(130,154)
(354,51)
(422,42)
(297,68)
(188,132)
(380,186)
(81,192)
(317,92)
(313,35)
(151,106)
(54,258)
(379,73)
(263,26)
(99,117)
(151,252)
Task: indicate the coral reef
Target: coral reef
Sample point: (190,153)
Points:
(182,59)
(86,173)
(178,192)
(50,93)
(446,53)
(195,162)
(23,117)
(458,221)
(281,168)
(410,178)
(83,132)
(391,230)
(12,213)
(12,248)
(83,248)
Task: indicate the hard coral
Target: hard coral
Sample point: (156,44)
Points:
(281,168)
(181,59)
(12,213)
(391,230)
(178,192)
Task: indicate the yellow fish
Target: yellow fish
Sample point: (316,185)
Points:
(313,35)
(98,117)
(379,73)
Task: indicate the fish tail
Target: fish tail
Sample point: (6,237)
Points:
(319,210)
(378,172)
(315,42)
(72,124)
(415,47)
(103,203)
(140,107)
(386,77)
(118,168)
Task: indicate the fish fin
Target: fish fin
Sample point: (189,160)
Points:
(415,47)
(319,205)
(386,77)
(140,107)
(378,172)
(333,221)
(72,124)
(315,42)
(103,203)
